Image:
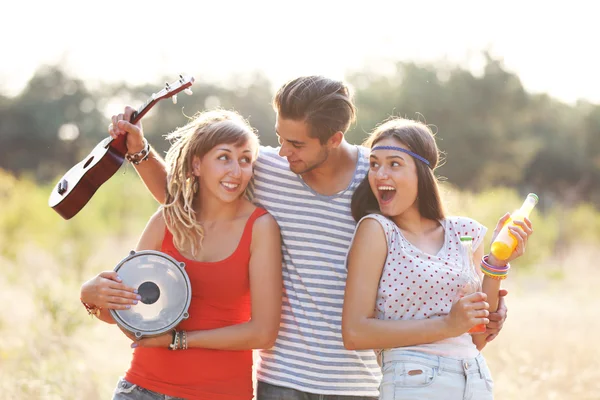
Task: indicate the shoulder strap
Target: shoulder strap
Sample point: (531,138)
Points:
(167,242)
(247,234)
(168,246)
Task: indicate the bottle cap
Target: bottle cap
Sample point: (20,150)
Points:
(534,196)
(466,238)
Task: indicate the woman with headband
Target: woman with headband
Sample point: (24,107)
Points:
(404,293)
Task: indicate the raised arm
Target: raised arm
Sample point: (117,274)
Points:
(153,170)
(360,327)
(491,287)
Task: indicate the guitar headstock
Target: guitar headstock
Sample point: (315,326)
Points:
(171,89)
(80,183)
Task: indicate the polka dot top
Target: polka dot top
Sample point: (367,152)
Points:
(417,285)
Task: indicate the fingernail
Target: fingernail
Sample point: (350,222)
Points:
(127,306)
(134,345)
(135,291)
(134,301)
(119,278)
(138,297)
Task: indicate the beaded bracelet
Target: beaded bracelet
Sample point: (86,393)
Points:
(141,155)
(179,340)
(184,341)
(494,272)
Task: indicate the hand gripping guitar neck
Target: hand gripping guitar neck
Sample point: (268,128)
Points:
(78,185)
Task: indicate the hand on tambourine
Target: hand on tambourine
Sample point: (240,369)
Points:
(120,125)
(106,290)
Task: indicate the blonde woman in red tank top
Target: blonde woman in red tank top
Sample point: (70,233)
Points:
(232,252)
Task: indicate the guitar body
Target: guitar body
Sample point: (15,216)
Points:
(78,185)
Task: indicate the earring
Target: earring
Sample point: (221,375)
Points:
(195,185)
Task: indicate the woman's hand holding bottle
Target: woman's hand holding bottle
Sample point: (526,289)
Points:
(467,312)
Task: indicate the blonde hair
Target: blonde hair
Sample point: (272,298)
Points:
(204,131)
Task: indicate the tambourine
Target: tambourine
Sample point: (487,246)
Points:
(165,292)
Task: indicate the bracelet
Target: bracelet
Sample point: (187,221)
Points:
(494,272)
(484,261)
(141,155)
(184,341)
(179,340)
(497,277)
(174,341)
(91,309)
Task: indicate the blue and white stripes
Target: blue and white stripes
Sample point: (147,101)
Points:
(316,230)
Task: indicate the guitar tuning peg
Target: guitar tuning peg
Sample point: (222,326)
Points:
(174,98)
(188,91)
(167,86)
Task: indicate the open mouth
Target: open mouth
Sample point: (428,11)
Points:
(386,193)
(230,187)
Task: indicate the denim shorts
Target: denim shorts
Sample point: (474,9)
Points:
(126,390)
(412,375)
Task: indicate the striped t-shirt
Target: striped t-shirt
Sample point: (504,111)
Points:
(316,231)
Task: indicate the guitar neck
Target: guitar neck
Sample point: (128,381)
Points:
(137,115)
(119,144)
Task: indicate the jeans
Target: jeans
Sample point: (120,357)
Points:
(128,391)
(266,391)
(411,375)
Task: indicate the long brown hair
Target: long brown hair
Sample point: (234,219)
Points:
(204,131)
(419,139)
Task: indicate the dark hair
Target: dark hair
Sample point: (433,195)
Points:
(324,104)
(420,140)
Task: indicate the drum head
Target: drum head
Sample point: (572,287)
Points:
(165,289)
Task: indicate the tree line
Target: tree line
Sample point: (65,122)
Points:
(493,133)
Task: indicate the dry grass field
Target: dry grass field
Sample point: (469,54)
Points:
(547,349)
(51,350)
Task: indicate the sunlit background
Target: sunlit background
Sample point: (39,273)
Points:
(551,45)
(510,87)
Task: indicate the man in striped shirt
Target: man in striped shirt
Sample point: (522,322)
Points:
(307,185)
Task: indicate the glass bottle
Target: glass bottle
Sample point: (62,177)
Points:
(505,243)
(470,273)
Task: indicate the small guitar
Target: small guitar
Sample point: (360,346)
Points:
(78,185)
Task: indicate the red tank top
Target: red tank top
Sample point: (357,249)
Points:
(220,297)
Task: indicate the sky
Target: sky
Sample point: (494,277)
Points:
(551,45)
